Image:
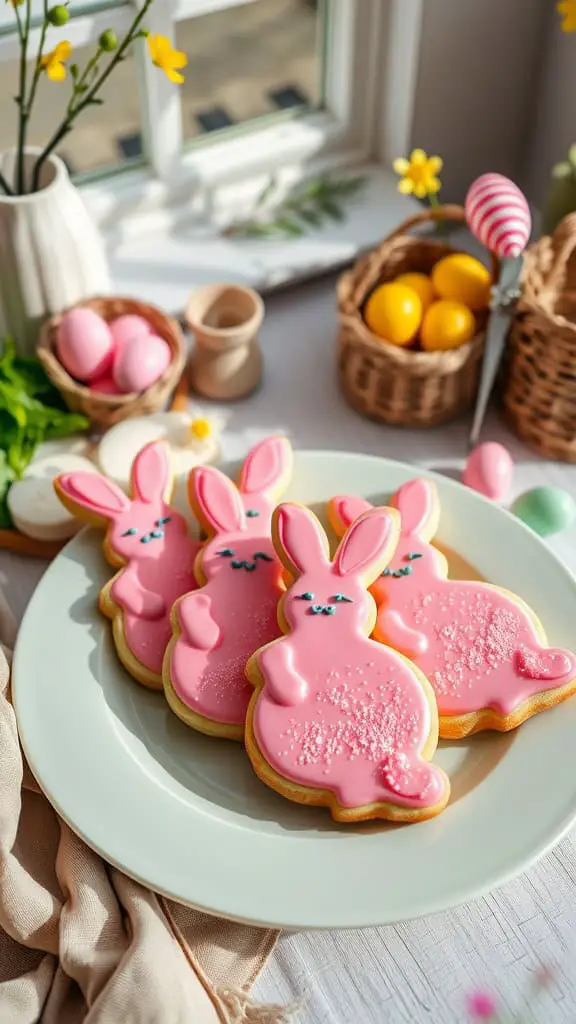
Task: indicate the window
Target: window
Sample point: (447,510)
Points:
(271,85)
(251,61)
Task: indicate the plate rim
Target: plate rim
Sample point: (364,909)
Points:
(473,890)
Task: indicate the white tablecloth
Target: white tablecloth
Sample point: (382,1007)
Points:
(420,971)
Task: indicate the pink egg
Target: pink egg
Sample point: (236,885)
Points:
(498,215)
(140,362)
(84,344)
(129,326)
(105,385)
(489,470)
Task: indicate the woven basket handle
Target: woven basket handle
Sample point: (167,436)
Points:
(563,245)
(447,212)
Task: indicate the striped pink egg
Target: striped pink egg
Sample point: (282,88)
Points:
(498,215)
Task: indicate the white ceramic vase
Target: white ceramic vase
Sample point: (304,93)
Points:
(51,252)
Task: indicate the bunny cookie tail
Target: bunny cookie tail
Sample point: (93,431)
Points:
(544,663)
(409,777)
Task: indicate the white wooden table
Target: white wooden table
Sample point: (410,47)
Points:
(419,971)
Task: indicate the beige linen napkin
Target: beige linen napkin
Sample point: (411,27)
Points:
(81,942)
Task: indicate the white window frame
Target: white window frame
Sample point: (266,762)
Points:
(370,82)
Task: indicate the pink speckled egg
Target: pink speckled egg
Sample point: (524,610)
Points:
(84,344)
(105,385)
(489,470)
(140,362)
(129,326)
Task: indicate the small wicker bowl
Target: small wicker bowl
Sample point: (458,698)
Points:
(106,410)
(389,383)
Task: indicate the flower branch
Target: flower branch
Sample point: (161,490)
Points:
(5,186)
(23,33)
(82,98)
(86,84)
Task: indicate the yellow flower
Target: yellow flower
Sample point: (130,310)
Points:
(568,9)
(53,62)
(201,428)
(419,173)
(165,58)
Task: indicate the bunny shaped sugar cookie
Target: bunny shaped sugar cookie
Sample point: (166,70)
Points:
(149,540)
(218,627)
(338,719)
(483,650)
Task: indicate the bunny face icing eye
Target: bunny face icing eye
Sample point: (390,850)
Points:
(408,560)
(245,556)
(327,602)
(130,531)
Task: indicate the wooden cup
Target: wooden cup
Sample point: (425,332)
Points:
(226,361)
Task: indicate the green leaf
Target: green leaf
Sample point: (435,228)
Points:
(311,217)
(310,205)
(255,229)
(19,456)
(7,477)
(572,156)
(266,191)
(287,226)
(62,424)
(313,188)
(348,187)
(74,71)
(31,410)
(8,355)
(331,209)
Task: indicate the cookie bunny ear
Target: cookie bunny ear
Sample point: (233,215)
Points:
(217,500)
(368,545)
(299,535)
(267,467)
(92,494)
(150,474)
(417,503)
(343,511)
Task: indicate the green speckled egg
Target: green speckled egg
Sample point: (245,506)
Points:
(546,510)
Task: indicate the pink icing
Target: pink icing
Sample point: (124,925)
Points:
(339,711)
(235,612)
(478,647)
(158,570)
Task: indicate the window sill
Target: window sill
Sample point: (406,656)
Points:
(174,252)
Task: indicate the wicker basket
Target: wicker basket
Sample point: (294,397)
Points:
(539,392)
(392,384)
(105,410)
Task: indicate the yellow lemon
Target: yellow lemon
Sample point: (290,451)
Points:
(421,284)
(463,278)
(447,324)
(394,312)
